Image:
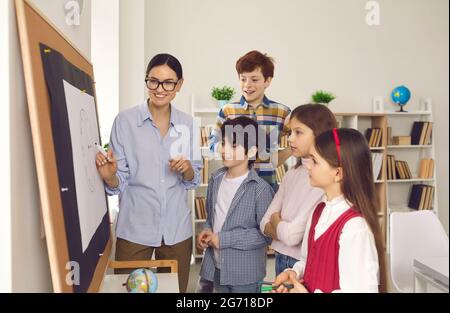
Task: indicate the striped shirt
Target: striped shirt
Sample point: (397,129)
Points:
(269,115)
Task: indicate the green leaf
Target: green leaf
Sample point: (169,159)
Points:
(223,93)
(321,96)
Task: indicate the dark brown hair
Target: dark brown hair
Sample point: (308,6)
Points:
(254,60)
(239,135)
(166,59)
(317,117)
(357,183)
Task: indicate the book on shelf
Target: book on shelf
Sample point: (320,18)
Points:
(205,132)
(392,173)
(284,142)
(403,171)
(426,168)
(374,137)
(398,169)
(377,164)
(200,208)
(421,197)
(280,172)
(421,133)
(401,140)
(204,172)
(389,135)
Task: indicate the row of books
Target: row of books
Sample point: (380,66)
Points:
(377,164)
(284,142)
(397,169)
(421,197)
(374,137)
(200,208)
(280,172)
(205,132)
(204,172)
(421,133)
(426,169)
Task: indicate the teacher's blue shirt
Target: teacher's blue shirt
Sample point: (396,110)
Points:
(152,198)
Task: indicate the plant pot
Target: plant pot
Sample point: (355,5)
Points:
(221,103)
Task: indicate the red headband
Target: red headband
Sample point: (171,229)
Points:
(338,143)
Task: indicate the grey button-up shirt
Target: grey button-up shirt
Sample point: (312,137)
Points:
(152,199)
(242,244)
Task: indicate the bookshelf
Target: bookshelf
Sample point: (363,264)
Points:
(394,193)
(206,118)
(399,190)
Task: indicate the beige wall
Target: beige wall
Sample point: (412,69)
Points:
(318,44)
(5,187)
(55,10)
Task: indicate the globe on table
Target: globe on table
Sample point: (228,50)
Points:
(142,281)
(401,95)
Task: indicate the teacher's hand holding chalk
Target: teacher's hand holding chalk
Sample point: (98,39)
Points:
(107,166)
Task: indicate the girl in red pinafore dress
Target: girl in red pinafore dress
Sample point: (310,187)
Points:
(342,249)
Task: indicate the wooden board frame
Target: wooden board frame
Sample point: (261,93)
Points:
(34,29)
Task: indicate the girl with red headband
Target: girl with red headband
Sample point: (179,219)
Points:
(342,249)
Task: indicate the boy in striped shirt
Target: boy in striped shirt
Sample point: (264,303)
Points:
(256,71)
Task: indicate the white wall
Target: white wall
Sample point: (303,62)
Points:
(318,44)
(118,55)
(55,10)
(118,59)
(105,58)
(132,52)
(5,187)
(24,262)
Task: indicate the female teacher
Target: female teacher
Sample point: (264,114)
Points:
(150,178)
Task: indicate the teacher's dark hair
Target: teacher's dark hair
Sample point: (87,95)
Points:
(166,59)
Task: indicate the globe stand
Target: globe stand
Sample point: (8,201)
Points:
(401,109)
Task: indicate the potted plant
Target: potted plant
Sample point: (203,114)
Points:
(223,95)
(322,97)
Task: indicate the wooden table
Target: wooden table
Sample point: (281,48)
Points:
(167,283)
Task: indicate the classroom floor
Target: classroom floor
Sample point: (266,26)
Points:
(195,270)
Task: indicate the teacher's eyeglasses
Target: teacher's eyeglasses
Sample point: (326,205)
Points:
(153,84)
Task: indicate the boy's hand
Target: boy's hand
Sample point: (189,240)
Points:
(203,239)
(214,241)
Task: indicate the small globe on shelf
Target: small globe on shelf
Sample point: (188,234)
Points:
(401,95)
(142,281)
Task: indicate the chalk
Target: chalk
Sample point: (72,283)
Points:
(101,150)
(270,287)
